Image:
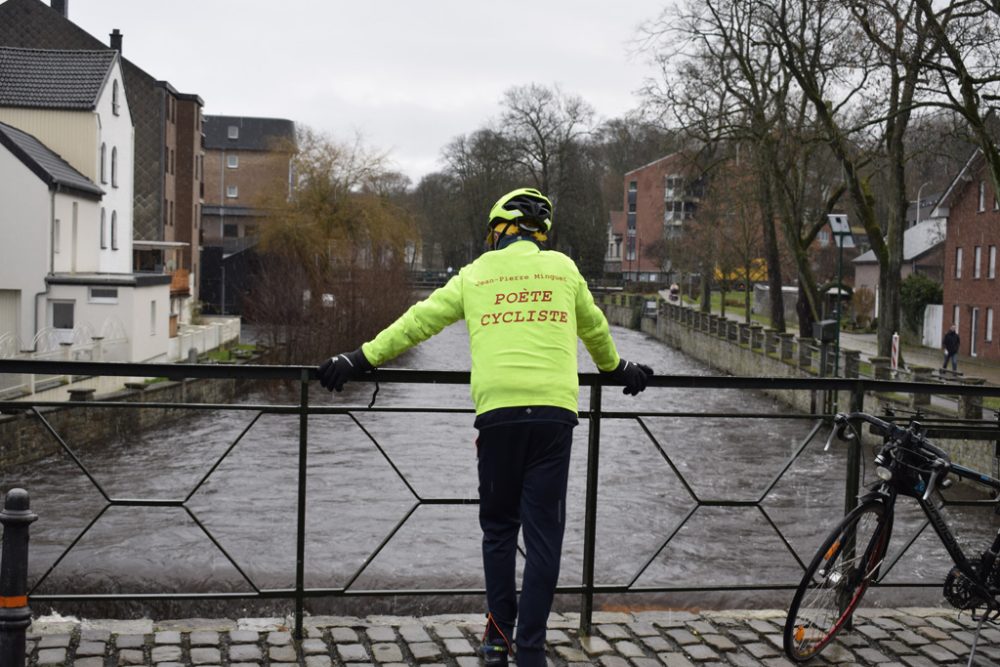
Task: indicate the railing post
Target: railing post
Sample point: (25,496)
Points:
(880,367)
(805,353)
(920,374)
(15,615)
(853,479)
(590,517)
(969,406)
(786,341)
(300,533)
(852,363)
(852,484)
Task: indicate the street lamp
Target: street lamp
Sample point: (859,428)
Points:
(919,190)
(841,231)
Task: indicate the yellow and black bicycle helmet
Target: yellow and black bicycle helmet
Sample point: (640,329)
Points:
(527,208)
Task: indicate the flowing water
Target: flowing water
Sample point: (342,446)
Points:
(358,493)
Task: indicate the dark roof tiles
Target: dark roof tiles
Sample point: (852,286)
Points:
(51,79)
(254,134)
(45,163)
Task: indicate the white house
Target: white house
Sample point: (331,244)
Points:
(66,174)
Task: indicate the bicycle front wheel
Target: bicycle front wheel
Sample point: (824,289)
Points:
(836,580)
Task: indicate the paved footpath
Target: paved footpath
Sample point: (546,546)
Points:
(908,637)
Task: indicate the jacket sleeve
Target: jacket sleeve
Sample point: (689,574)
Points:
(422,320)
(592,328)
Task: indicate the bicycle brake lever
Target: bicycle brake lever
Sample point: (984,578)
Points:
(939,468)
(829,439)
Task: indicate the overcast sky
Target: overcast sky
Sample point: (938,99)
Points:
(408,75)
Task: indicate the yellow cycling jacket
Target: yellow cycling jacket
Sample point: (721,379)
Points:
(524,308)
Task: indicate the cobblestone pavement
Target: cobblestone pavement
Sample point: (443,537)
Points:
(909,637)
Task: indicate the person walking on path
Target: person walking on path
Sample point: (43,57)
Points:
(524,308)
(951,344)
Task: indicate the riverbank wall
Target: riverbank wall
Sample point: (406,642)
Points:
(750,350)
(25,438)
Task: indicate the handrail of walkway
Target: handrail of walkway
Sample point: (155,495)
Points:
(854,389)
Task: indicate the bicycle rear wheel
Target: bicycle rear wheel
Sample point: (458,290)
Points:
(836,580)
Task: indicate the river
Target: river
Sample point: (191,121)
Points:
(355,498)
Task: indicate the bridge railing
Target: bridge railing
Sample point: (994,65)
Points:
(848,394)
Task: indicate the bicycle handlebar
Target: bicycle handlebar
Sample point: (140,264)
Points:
(894,432)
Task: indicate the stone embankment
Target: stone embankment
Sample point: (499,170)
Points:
(881,637)
(751,350)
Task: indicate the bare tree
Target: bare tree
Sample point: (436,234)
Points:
(963,72)
(724,82)
(871,52)
(333,273)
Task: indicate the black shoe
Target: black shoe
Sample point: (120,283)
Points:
(493,653)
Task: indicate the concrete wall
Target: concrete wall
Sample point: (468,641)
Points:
(116,132)
(79,236)
(689,331)
(23,439)
(25,215)
(74,135)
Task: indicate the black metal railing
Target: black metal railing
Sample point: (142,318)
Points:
(851,394)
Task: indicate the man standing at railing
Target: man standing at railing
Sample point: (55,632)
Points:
(951,344)
(524,307)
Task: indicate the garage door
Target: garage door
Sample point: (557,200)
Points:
(10,309)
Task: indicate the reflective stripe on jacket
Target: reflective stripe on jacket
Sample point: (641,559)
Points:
(524,308)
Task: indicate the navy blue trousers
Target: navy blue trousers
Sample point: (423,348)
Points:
(523,471)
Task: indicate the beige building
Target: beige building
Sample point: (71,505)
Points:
(246,159)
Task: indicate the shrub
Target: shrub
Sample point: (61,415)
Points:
(915,292)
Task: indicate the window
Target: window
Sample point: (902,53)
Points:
(232,161)
(55,235)
(232,191)
(104,163)
(955,312)
(992,268)
(104,230)
(958,262)
(633,186)
(114,97)
(977,257)
(234,132)
(62,314)
(173,161)
(152,318)
(114,230)
(988,334)
(230,231)
(171,214)
(166,213)
(982,196)
(103,295)
(114,167)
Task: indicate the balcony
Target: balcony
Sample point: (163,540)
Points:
(180,283)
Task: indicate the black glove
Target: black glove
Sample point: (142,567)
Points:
(630,374)
(336,371)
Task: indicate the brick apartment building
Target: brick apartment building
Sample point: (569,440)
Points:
(246,159)
(971,288)
(658,197)
(168,141)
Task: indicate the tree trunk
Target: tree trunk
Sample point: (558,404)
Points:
(771,252)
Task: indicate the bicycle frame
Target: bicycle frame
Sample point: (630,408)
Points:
(890,491)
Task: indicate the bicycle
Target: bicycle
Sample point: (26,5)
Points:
(850,558)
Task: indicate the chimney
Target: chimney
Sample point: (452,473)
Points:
(60,6)
(116,40)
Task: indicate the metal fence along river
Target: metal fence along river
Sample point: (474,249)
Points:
(703,489)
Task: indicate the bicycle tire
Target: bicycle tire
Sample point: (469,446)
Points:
(834,584)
